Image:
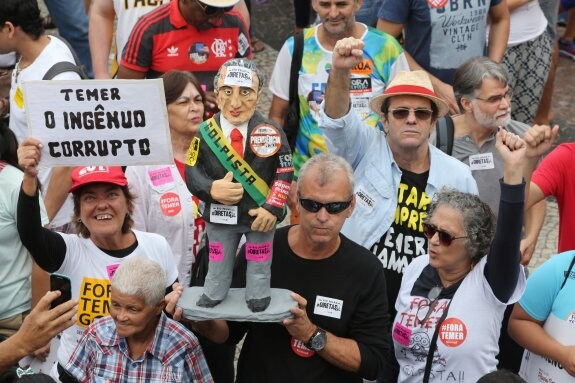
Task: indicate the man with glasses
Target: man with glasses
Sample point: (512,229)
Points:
(192,35)
(338,332)
(397,171)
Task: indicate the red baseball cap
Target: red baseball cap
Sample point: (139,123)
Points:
(84,175)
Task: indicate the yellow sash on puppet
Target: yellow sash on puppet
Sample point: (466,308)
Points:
(232,161)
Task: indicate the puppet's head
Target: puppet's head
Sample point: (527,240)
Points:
(238,86)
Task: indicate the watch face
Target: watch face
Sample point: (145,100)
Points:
(318,340)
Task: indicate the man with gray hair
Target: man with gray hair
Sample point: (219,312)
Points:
(482,91)
(483,94)
(338,332)
(137,341)
(240,166)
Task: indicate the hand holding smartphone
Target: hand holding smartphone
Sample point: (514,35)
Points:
(64,285)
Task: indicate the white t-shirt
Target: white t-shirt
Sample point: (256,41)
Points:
(53,53)
(90,271)
(128,12)
(467,342)
(527,23)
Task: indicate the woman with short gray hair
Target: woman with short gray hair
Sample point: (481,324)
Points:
(137,341)
(451,301)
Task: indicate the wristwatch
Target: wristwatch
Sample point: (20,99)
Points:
(317,341)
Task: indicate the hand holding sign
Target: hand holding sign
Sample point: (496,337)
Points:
(226,191)
(29,153)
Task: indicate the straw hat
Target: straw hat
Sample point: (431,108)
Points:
(220,3)
(414,83)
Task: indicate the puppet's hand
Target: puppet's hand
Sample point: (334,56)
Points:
(265,221)
(226,191)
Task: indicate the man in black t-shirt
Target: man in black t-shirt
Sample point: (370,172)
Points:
(339,330)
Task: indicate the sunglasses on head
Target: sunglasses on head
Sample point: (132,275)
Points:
(425,308)
(445,238)
(420,113)
(331,207)
(210,10)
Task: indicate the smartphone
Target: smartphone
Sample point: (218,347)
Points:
(62,283)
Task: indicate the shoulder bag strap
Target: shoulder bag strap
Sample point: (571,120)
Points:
(433,345)
(444,132)
(568,272)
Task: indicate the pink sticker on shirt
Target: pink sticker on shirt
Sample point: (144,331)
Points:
(111,269)
(216,252)
(401,334)
(161,176)
(258,252)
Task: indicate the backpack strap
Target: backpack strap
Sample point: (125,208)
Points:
(66,66)
(568,272)
(444,132)
(292,127)
(63,67)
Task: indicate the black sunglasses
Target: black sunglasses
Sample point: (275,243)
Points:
(210,10)
(445,238)
(420,113)
(331,207)
(432,297)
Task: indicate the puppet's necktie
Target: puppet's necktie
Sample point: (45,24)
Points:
(237,141)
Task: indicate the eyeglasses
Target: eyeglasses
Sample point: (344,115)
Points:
(331,207)
(423,315)
(445,238)
(497,99)
(210,10)
(420,113)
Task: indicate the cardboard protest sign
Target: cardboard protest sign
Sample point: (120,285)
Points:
(99,122)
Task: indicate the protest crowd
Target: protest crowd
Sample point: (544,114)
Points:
(373,224)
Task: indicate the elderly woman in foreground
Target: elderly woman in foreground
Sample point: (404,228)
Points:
(451,301)
(138,341)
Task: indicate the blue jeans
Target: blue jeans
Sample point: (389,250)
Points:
(72,21)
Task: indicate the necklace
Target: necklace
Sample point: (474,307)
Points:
(17,69)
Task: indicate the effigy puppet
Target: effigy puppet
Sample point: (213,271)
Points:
(240,167)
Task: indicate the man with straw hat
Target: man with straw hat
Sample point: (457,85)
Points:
(397,171)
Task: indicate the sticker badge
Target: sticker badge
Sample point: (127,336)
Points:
(571,318)
(193,150)
(453,332)
(94,300)
(161,176)
(265,140)
(199,53)
(483,161)
(328,307)
(364,199)
(111,269)
(238,76)
(227,215)
(19,98)
(437,3)
(299,348)
(170,204)
(364,67)
(258,252)
(216,252)
(243,44)
(401,334)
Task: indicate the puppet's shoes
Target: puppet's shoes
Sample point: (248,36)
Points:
(204,301)
(257,305)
